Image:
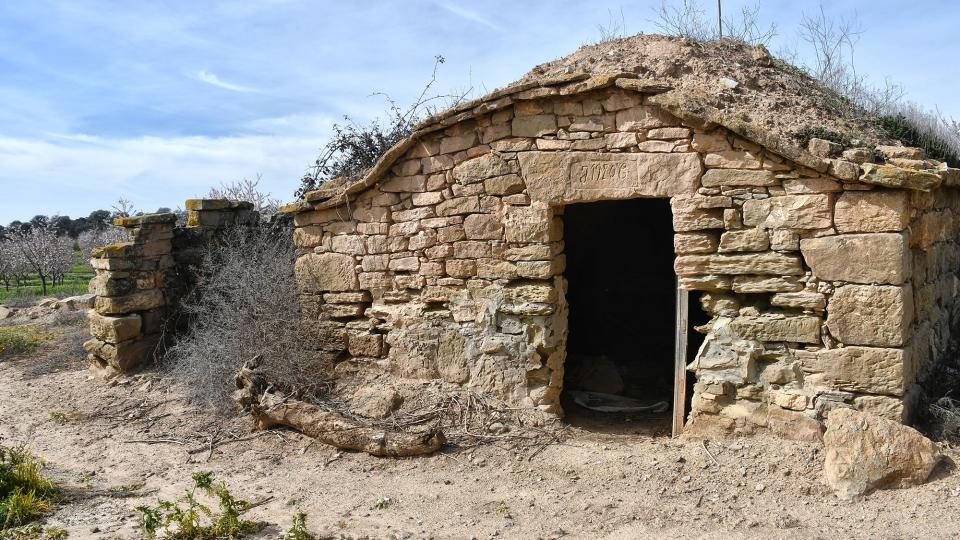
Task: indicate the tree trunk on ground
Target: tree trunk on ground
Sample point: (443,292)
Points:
(271,409)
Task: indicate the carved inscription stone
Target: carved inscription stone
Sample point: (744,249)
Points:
(571,177)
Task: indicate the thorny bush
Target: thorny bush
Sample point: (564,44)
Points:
(185,518)
(244,305)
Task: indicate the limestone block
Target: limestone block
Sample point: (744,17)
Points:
(790,400)
(368,345)
(533,252)
(859,258)
(888,407)
(689,215)
(534,126)
(347,297)
(351,244)
(113,329)
(738,177)
(797,329)
(766,284)
(459,206)
(878,315)
(471,249)
(483,227)
(108,285)
(895,177)
(714,141)
(455,143)
(496,269)
(872,211)
(461,267)
(401,184)
(784,240)
(690,243)
(643,117)
(405,264)
(795,186)
(122,356)
(776,264)
(706,283)
(744,240)
(569,177)
(799,300)
(789,212)
(865,452)
(668,133)
(528,223)
(507,184)
(137,301)
(724,356)
(541,269)
(732,159)
(326,272)
(859,369)
(483,167)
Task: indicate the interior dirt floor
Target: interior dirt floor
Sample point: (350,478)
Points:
(114,448)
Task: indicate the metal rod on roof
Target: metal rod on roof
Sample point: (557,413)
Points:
(720,18)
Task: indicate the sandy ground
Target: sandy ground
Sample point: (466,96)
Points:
(627,482)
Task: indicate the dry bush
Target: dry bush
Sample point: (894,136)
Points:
(249,191)
(689,19)
(244,304)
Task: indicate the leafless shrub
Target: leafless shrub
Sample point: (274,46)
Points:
(354,148)
(249,191)
(124,208)
(614,29)
(244,305)
(689,19)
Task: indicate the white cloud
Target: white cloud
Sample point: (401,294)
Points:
(471,16)
(211,78)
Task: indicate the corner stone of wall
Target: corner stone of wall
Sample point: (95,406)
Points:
(138,283)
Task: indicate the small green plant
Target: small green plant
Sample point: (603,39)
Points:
(21,339)
(298,529)
(58,417)
(184,518)
(33,532)
(382,503)
(25,494)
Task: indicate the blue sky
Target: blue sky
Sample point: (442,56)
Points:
(156,101)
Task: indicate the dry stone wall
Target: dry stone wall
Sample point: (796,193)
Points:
(826,284)
(138,283)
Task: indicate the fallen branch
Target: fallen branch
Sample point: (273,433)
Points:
(270,409)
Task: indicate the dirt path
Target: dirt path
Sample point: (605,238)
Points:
(595,485)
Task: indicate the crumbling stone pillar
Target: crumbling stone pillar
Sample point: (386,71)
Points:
(139,283)
(127,319)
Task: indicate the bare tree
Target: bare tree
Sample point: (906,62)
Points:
(249,191)
(123,208)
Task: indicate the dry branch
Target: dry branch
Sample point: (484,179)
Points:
(271,409)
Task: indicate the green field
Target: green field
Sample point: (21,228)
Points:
(74,283)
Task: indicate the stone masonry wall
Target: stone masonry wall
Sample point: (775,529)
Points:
(138,283)
(450,267)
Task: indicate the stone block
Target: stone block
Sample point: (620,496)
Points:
(859,369)
(859,258)
(895,177)
(872,211)
(327,272)
(481,168)
(888,309)
(129,303)
(766,284)
(744,240)
(113,329)
(638,118)
(570,177)
(459,206)
(508,184)
(789,212)
(534,126)
(366,345)
(483,227)
(738,178)
(108,285)
(797,329)
(692,243)
(401,184)
(528,223)
(799,300)
(776,264)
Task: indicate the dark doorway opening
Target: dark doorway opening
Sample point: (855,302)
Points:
(621,291)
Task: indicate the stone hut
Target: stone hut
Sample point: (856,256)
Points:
(656,217)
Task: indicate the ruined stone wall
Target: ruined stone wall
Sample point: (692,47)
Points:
(450,267)
(139,283)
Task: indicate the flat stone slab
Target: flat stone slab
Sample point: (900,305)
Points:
(859,258)
(571,177)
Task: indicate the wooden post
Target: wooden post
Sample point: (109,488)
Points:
(680,360)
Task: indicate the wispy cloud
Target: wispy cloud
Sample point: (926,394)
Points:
(472,16)
(211,78)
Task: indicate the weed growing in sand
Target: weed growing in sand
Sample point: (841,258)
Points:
(382,503)
(185,517)
(298,529)
(21,339)
(25,494)
(33,532)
